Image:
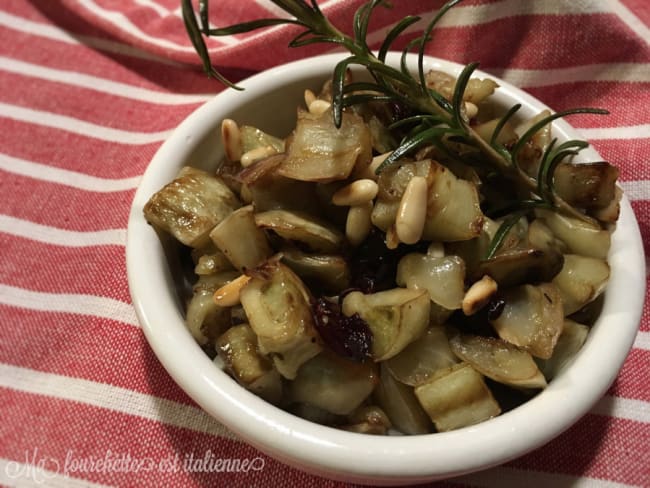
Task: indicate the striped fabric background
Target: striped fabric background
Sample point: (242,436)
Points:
(89,89)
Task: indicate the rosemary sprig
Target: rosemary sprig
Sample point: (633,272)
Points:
(436,122)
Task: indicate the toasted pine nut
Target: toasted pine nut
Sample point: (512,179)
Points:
(368,172)
(358,223)
(254,155)
(309,97)
(436,250)
(471,110)
(412,211)
(228,294)
(392,241)
(478,295)
(231,138)
(356,193)
(318,107)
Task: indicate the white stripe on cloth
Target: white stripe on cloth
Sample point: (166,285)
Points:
(632,21)
(507,477)
(87,129)
(26,475)
(623,408)
(61,237)
(121,22)
(66,177)
(47,31)
(630,132)
(642,340)
(615,72)
(112,398)
(78,304)
(466,16)
(156,7)
(77,79)
(636,190)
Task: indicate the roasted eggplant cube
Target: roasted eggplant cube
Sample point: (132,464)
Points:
(190,206)
(457,398)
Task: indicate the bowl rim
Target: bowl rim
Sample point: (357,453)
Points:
(345,455)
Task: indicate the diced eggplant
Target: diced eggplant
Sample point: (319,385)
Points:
(586,185)
(580,237)
(318,151)
(498,360)
(396,317)
(204,319)
(314,233)
(457,397)
(190,206)
(333,383)
(532,318)
(420,360)
(330,272)
(212,263)
(277,305)
(442,277)
(520,266)
(568,345)
(453,211)
(400,404)
(253,138)
(368,420)
(237,347)
(581,281)
(239,238)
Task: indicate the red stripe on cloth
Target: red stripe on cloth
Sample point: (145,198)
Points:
(63,207)
(632,381)
(87,347)
(106,110)
(630,155)
(90,156)
(582,451)
(616,97)
(97,270)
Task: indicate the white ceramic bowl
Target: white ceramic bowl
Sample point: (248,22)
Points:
(269,102)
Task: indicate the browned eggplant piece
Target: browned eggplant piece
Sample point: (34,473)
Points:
(521,266)
(237,347)
(586,185)
(277,304)
(190,206)
(333,383)
(329,272)
(532,318)
(318,151)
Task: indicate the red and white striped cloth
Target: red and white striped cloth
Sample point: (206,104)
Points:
(89,89)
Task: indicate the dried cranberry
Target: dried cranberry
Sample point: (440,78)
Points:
(349,337)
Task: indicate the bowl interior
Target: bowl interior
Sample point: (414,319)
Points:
(269,102)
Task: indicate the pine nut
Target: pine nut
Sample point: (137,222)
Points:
(436,250)
(471,110)
(356,193)
(358,223)
(478,295)
(412,211)
(392,241)
(318,107)
(231,137)
(309,97)
(257,154)
(228,294)
(245,194)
